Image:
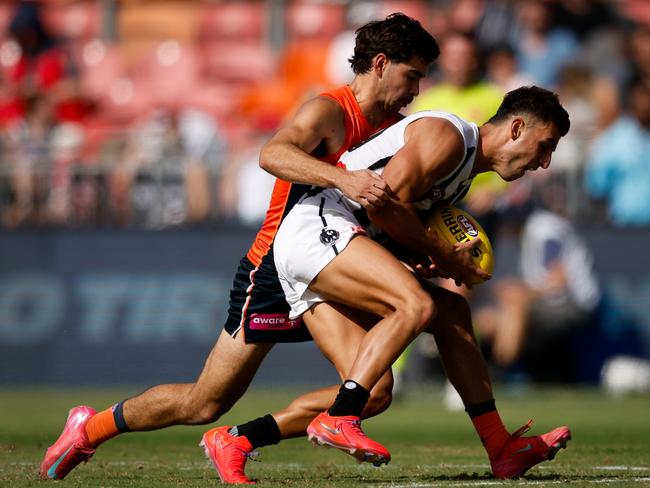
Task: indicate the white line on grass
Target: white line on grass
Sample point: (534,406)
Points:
(510,482)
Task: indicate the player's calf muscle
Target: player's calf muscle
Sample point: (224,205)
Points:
(380,399)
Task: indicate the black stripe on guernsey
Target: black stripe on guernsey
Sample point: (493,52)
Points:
(366,141)
(470,151)
(295,193)
(380,164)
(320,214)
(312,192)
(460,194)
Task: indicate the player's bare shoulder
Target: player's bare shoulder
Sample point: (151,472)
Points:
(437,141)
(435,131)
(323,112)
(315,126)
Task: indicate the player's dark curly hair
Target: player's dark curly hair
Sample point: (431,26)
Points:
(542,104)
(399,37)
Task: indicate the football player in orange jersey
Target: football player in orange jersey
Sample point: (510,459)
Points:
(391,57)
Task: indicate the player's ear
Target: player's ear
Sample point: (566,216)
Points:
(379,63)
(516,128)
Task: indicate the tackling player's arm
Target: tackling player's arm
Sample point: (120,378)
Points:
(318,128)
(432,151)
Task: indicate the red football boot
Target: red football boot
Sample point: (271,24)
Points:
(522,453)
(345,433)
(71,448)
(228,454)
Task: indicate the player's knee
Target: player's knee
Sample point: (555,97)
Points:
(201,412)
(460,310)
(420,309)
(454,310)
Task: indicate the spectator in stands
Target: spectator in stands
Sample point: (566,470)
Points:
(459,86)
(42,72)
(554,296)
(543,47)
(501,68)
(638,51)
(618,169)
(496,24)
(598,28)
(73,195)
(302,66)
(40,93)
(171,160)
(585,18)
(341,47)
(244,188)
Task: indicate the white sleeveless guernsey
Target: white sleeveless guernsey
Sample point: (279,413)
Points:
(324,221)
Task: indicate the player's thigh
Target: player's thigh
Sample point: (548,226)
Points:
(230,368)
(341,330)
(366,276)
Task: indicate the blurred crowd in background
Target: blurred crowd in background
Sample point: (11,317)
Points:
(150,113)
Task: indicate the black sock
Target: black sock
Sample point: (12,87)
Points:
(351,399)
(260,432)
(118,416)
(480,408)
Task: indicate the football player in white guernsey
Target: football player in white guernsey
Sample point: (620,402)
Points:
(323,253)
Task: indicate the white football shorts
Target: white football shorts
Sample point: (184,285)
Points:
(312,234)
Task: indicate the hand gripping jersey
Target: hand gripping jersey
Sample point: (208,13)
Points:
(257,301)
(324,221)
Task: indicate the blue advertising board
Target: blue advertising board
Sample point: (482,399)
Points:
(137,307)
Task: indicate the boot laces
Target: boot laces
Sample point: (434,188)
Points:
(523,429)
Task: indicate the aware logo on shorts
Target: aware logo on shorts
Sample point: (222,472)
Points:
(273,321)
(328,237)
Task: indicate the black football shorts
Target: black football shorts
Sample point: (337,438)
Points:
(258,307)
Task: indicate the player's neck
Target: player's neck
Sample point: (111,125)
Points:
(483,161)
(365,89)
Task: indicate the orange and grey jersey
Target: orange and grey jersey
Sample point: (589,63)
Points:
(376,152)
(286,194)
(257,301)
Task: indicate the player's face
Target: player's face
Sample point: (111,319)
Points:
(401,83)
(531,149)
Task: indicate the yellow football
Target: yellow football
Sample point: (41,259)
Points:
(456,225)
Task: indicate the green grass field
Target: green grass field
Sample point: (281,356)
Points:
(430,446)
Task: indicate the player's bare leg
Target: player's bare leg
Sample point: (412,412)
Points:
(342,329)
(511,455)
(229,447)
(367,277)
(461,356)
(225,377)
